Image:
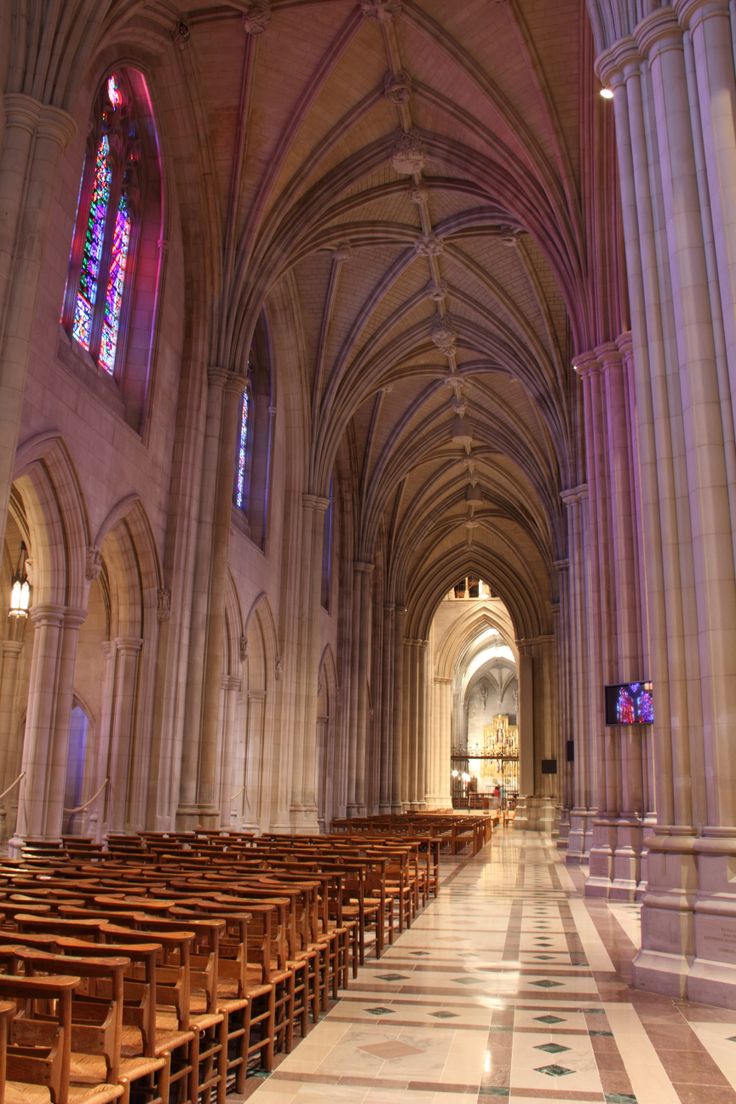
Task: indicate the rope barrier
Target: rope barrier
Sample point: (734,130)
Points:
(81,808)
(12,785)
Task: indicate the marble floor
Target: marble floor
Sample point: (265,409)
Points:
(510,985)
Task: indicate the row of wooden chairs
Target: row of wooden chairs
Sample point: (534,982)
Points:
(163,968)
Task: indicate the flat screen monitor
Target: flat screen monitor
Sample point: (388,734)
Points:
(630,703)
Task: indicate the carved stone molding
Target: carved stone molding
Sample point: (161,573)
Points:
(397,87)
(343,252)
(437,292)
(163,604)
(257,17)
(382,10)
(428,246)
(243,647)
(93,564)
(408,155)
(444,336)
(181,34)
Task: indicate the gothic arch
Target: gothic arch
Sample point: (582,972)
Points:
(56,513)
(264,774)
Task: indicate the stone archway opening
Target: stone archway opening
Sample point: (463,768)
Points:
(475,698)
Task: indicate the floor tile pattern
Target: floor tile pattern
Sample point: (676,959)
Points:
(510,986)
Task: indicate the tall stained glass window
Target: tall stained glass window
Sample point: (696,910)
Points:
(109,218)
(240,495)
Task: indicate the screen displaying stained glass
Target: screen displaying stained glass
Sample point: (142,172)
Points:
(240,473)
(630,703)
(93,244)
(115,284)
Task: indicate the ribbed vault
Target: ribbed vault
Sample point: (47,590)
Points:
(413,189)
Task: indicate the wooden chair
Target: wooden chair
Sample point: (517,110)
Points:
(97,1022)
(39,1050)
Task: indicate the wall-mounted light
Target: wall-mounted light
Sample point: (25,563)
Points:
(606,93)
(20,591)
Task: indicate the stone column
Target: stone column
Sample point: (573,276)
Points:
(358,721)
(399,695)
(415,718)
(41,801)
(306,677)
(387,708)
(231,778)
(254,773)
(10,652)
(443,743)
(197,799)
(674,85)
(121,742)
(584,766)
(34,137)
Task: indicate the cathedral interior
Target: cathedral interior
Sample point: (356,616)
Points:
(367,449)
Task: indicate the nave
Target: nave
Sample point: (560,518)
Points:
(510,985)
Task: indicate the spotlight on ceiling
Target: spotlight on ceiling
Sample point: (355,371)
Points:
(606,93)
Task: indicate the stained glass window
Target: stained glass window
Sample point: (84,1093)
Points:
(241,469)
(115,284)
(101,253)
(93,245)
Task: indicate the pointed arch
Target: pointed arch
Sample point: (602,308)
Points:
(56,514)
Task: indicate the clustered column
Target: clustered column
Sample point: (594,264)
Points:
(577,619)
(358,723)
(675,90)
(615,640)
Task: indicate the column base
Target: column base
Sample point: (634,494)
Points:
(615,858)
(304,820)
(563,832)
(191,817)
(580,835)
(535,814)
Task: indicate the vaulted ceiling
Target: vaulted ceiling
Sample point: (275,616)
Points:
(432,186)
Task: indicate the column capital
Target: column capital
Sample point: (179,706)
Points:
(692,13)
(531,641)
(658,33)
(361,567)
(621,61)
(561,565)
(128,645)
(74,618)
(11,647)
(572,495)
(315,502)
(28,113)
(217,376)
(625,344)
(47,615)
(231,682)
(586,364)
(56,124)
(256,696)
(443,680)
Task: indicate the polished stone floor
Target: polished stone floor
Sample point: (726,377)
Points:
(510,986)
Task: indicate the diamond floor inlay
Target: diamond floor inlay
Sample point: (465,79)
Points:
(554,1070)
(473,1018)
